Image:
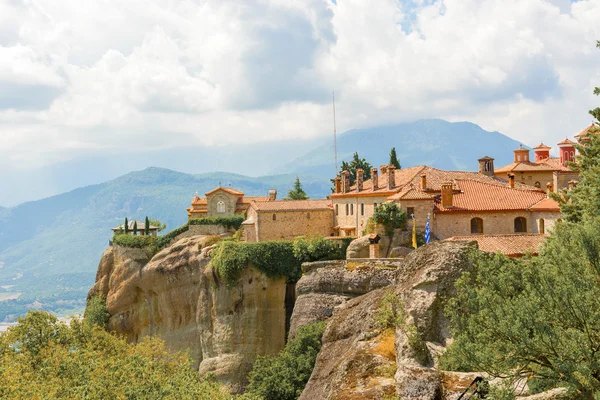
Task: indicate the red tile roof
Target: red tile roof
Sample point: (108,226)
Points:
(546,204)
(511,245)
(483,196)
(292,205)
(566,141)
(542,146)
(549,164)
(412,176)
(196,201)
(225,189)
(586,130)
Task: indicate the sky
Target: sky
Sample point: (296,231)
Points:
(88,77)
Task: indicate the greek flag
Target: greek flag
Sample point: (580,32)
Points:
(427,231)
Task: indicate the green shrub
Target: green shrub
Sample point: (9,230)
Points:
(391,313)
(275,259)
(96,312)
(317,248)
(165,240)
(234,221)
(284,376)
(133,241)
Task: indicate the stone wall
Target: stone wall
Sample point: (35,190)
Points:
(422,208)
(561,179)
(531,177)
(549,218)
(494,223)
(290,224)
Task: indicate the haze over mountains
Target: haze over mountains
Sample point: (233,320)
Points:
(50,248)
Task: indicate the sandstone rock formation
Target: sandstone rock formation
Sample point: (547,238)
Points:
(359,360)
(359,248)
(175,295)
(326,284)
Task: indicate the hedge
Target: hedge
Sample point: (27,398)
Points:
(136,242)
(275,259)
(234,221)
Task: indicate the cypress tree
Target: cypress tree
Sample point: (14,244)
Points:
(394,159)
(135,228)
(147,226)
(126,225)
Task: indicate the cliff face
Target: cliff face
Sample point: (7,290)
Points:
(360,360)
(175,295)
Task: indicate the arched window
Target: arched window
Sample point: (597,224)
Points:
(337,209)
(221,207)
(347,209)
(351,209)
(520,225)
(362,209)
(274,217)
(476,225)
(542,228)
(537,185)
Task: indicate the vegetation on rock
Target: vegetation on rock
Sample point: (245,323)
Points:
(233,221)
(284,376)
(44,358)
(96,311)
(297,193)
(317,248)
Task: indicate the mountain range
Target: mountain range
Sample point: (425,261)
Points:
(49,248)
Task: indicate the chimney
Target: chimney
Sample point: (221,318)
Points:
(549,187)
(345,181)
(423,182)
(391,177)
(511,180)
(360,177)
(521,155)
(272,194)
(447,195)
(338,184)
(383,169)
(374,179)
(486,166)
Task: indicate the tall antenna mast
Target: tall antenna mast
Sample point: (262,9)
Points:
(335,137)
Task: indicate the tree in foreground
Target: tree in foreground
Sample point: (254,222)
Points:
(533,318)
(284,376)
(41,357)
(394,159)
(297,193)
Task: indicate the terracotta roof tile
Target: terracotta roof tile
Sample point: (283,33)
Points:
(250,199)
(546,204)
(412,193)
(586,130)
(566,141)
(482,196)
(511,245)
(225,189)
(542,146)
(548,164)
(292,205)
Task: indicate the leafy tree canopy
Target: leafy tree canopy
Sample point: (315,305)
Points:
(352,166)
(155,222)
(297,193)
(390,216)
(284,376)
(44,358)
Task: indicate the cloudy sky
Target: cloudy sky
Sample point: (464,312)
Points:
(103,76)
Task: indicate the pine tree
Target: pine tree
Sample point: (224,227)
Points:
(147,226)
(394,159)
(352,166)
(135,228)
(126,225)
(297,193)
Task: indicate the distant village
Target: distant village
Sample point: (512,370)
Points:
(504,209)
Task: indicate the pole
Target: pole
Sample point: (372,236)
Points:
(334,136)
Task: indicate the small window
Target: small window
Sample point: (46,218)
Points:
(362,209)
(221,207)
(520,225)
(307,215)
(542,227)
(476,225)
(374,206)
(410,211)
(337,209)
(537,185)
(274,217)
(347,209)
(351,209)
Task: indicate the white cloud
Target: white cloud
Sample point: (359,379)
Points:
(93,77)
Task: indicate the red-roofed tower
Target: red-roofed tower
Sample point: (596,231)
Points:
(566,149)
(541,152)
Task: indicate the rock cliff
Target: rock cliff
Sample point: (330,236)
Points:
(175,295)
(361,360)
